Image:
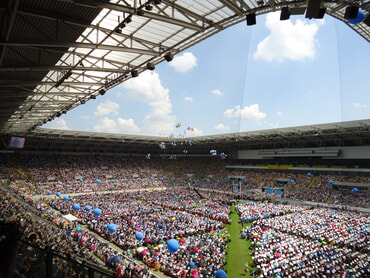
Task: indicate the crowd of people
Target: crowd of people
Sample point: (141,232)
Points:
(156,198)
(311,243)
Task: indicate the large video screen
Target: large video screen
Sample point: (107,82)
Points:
(17,142)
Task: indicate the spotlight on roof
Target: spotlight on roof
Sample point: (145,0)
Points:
(148,7)
(150,66)
(157,2)
(102,92)
(169,57)
(134,73)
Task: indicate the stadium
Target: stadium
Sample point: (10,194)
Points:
(282,202)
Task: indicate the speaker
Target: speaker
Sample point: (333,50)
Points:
(134,73)
(168,57)
(367,20)
(251,19)
(313,8)
(285,14)
(351,12)
(321,13)
(150,66)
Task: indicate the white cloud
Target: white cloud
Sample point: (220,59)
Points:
(58,124)
(118,125)
(147,88)
(288,40)
(183,63)
(359,105)
(106,108)
(279,113)
(217,92)
(190,99)
(128,126)
(106,125)
(251,112)
(221,127)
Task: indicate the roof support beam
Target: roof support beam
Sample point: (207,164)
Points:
(55,44)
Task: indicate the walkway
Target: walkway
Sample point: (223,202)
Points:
(238,252)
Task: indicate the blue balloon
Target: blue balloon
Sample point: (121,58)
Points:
(360,17)
(87,208)
(221,274)
(81,180)
(58,194)
(113,181)
(309,174)
(355,189)
(138,179)
(208,180)
(65,198)
(291,181)
(97,181)
(50,192)
(112,228)
(331,181)
(172,245)
(139,235)
(76,206)
(151,178)
(97,212)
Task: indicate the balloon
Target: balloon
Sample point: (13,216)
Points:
(58,194)
(221,274)
(360,17)
(50,192)
(172,245)
(139,235)
(151,178)
(355,189)
(208,180)
(65,198)
(112,228)
(309,174)
(138,179)
(291,181)
(87,208)
(76,206)
(113,181)
(81,180)
(331,181)
(97,212)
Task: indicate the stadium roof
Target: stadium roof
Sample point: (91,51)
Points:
(352,133)
(58,54)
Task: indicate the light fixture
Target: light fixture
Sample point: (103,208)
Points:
(140,12)
(251,19)
(118,30)
(148,7)
(168,57)
(102,92)
(128,19)
(134,73)
(150,66)
(157,2)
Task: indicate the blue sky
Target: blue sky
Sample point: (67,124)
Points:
(270,75)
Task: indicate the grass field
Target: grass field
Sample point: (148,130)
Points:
(238,249)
